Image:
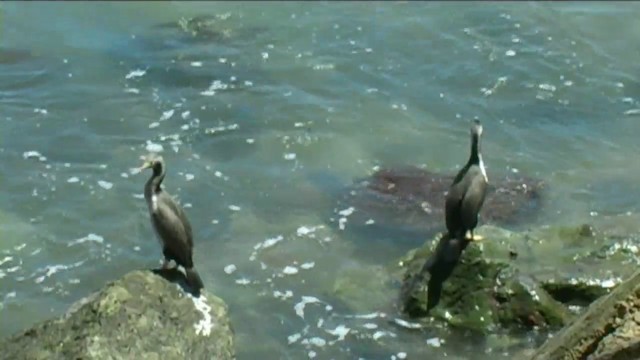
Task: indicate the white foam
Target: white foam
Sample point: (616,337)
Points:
(299,307)
(230,269)
(135,73)
(105,184)
(90,237)
(166,115)
(205,325)
(33,155)
(290,270)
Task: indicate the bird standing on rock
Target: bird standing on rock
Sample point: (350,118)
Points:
(462,205)
(170,223)
(467,192)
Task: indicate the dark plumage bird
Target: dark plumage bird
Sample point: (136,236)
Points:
(462,205)
(170,223)
(467,192)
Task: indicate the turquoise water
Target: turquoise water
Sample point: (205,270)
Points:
(264,121)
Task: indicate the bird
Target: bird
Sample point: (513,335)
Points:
(462,204)
(467,192)
(169,222)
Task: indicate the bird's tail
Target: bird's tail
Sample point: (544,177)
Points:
(193,279)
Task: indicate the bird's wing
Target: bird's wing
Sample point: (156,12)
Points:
(473,199)
(176,209)
(173,227)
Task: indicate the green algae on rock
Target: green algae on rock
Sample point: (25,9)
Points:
(485,291)
(141,315)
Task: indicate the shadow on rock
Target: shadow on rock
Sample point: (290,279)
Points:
(177,277)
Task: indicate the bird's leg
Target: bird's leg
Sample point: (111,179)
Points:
(473,237)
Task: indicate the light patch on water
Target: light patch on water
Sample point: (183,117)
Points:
(632,112)
(401,355)
(219,129)
(369,316)
(369,222)
(154,147)
(189,177)
(234,208)
(166,115)
(91,237)
(52,269)
(315,341)
(205,325)
(308,230)
(293,338)
(132,90)
(308,265)
(6,259)
(370,326)
(154,124)
(381,333)
(250,141)
(434,342)
(289,156)
(290,270)
(73,179)
(243,281)
(406,324)
(33,155)
(215,85)
(510,53)
(340,331)
(135,73)
(196,63)
(105,184)
(299,307)
(230,269)
(40,111)
(283,295)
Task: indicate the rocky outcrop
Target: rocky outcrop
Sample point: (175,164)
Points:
(485,291)
(539,278)
(144,315)
(608,330)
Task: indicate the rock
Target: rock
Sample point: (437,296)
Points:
(536,279)
(608,330)
(412,200)
(485,291)
(142,316)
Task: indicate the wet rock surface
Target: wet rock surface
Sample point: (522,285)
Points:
(411,199)
(536,279)
(142,316)
(609,329)
(485,291)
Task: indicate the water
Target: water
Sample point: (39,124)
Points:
(266,120)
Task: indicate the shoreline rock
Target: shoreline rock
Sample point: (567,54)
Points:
(144,315)
(608,330)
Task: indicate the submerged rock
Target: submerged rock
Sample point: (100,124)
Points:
(412,199)
(142,316)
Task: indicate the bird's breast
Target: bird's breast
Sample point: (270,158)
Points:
(154,203)
(482,169)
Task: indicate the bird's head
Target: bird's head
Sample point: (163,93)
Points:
(476,128)
(153,161)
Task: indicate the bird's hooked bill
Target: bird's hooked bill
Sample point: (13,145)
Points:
(146,164)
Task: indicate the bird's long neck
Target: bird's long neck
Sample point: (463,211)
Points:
(475,158)
(153,184)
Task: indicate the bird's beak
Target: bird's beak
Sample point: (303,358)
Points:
(145,165)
